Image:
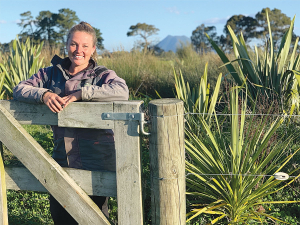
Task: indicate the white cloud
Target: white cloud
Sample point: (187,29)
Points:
(214,21)
(173,10)
(16,21)
(2,21)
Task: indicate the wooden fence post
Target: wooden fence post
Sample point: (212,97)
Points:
(167,162)
(128,166)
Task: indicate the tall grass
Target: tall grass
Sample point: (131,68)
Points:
(147,73)
(143,72)
(192,65)
(48,53)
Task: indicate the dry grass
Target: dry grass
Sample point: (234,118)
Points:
(146,73)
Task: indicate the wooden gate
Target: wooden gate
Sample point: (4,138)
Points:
(71,187)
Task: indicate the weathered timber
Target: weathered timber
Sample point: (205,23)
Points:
(128,166)
(86,115)
(167,162)
(77,114)
(99,183)
(48,172)
(3,197)
(30,113)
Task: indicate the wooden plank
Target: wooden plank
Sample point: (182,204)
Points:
(92,182)
(77,114)
(167,162)
(128,166)
(30,113)
(3,197)
(48,172)
(86,115)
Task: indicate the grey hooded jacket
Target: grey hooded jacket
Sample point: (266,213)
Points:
(89,149)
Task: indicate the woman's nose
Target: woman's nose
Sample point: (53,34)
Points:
(79,48)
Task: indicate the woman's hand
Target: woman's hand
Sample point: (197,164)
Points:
(72,98)
(53,101)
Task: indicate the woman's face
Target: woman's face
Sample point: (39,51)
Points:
(80,48)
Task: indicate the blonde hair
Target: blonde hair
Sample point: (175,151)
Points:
(87,28)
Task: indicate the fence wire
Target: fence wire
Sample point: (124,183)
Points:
(224,114)
(285,116)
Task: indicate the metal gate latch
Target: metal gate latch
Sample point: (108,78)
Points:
(127,116)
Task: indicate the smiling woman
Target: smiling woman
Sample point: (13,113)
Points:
(81,46)
(76,78)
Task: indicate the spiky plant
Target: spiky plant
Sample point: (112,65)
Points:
(197,100)
(270,73)
(22,62)
(231,173)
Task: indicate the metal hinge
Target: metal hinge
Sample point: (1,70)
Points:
(127,116)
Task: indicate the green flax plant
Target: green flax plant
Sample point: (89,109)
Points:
(22,62)
(197,100)
(270,72)
(2,92)
(230,173)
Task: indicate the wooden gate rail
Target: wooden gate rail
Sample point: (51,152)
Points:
(55,179)
(92,182)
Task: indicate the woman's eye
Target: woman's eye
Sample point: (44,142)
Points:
(85,46)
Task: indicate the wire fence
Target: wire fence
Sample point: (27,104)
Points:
(280,176)
(227,114)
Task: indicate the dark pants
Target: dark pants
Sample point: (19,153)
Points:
(61,217)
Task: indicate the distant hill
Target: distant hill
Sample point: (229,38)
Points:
(173,42)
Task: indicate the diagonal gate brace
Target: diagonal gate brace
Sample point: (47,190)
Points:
(48,172)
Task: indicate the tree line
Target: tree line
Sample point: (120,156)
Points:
(252,28)
(52,28)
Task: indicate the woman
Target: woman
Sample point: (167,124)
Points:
(76,78)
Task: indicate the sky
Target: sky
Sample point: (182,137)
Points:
(114,17)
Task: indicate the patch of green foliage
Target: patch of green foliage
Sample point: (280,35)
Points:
(28,207)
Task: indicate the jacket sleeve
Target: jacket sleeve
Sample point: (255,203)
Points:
(109,88)
(32,90)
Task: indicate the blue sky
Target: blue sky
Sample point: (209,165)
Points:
(114,17)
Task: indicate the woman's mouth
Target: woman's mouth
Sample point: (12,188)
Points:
(79,56)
